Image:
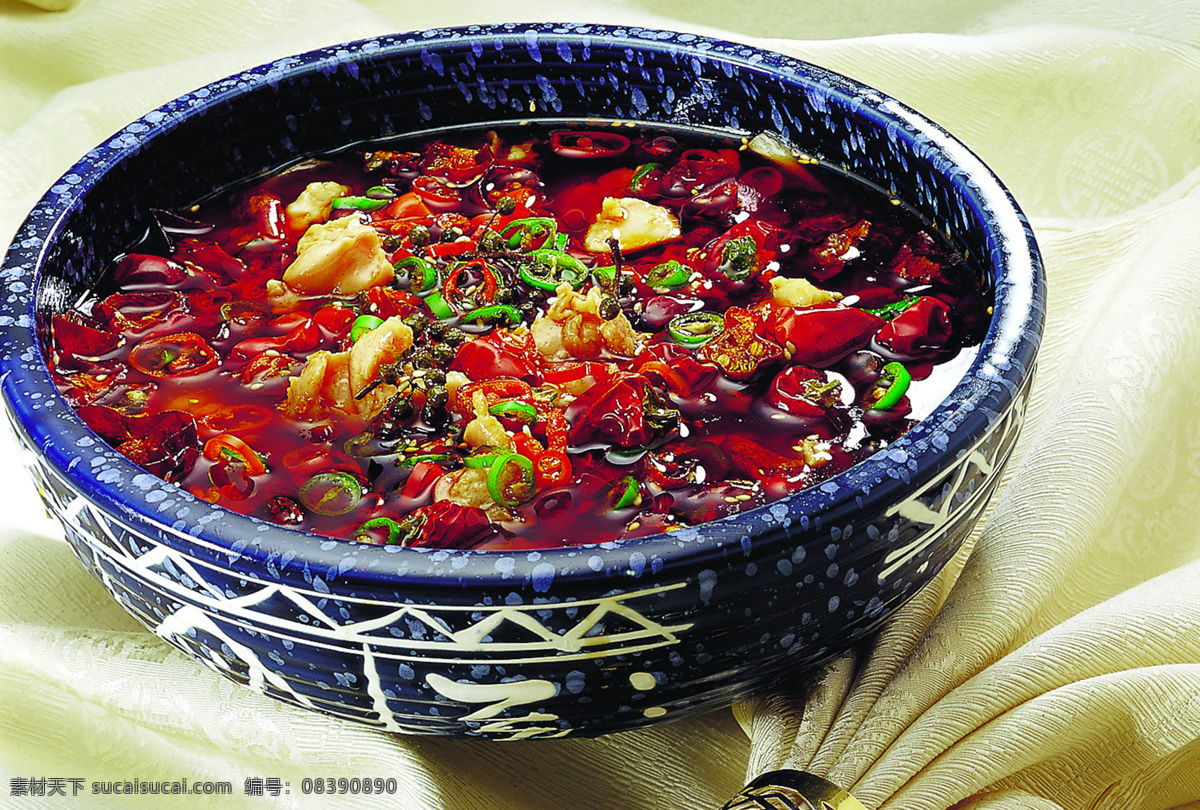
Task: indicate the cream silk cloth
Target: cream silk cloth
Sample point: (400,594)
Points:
(1054,664)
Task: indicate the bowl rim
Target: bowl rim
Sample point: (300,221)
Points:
(1000,369)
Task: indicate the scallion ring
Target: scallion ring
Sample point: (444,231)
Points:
(897,379)
(438,306)
(394,532)
(331,493)
(549,268)
(491,312)
(694,329)
(670,275)
(893,309)
(510,480)
(631,492)
(432,458)
(519,411)
(358,204)
(418,274)
(362,325)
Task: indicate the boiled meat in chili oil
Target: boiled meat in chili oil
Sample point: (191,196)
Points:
(522,338)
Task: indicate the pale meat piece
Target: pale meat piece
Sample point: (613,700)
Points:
(572,328)
(313,205)
(800,292)
(634,223)
(485,430)
(342,257)
(329,380)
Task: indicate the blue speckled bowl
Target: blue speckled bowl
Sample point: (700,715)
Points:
(519,645)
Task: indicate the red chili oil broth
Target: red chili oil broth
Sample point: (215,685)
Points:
(730,445)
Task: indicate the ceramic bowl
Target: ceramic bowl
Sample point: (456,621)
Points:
(502,645)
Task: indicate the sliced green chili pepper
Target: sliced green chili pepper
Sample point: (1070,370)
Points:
(635,182)
(331,493)
(669,275)
(695,328)
(533,226)
(504,489)
(490,312)
(481,460)
(893,309)
(521,412)
(896,378)
(362,325)
(432,458)
(739,258)
(559,267)
(359,203)
(416,273)
(394,532)
(631,492)
(560,241)
(438,306)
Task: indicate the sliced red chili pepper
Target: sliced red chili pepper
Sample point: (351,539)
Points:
(236,418)
(552,468)
(576,371)
(669,376)
(335,320)
(436,195)
(210,259)
(450,291)
(180,355)
(421,480)
(138,312)
(386,302)
(444,250)
(458,164)
(407,206)
(588,144)
(498,390)
(228,446)
(830,256)
(752,459)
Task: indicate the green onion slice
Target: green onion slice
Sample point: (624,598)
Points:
(635,182)
(669,275)
(362,325)
(438,306)
(432,458)
(416,273)
(630,490)
(520,411)
(896,377)
(358,203)
(510,480)
(394,532)
(549,268)
(534,226)
(481,460)
(331,493)
(695,328)
(490,312)
(895,308)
